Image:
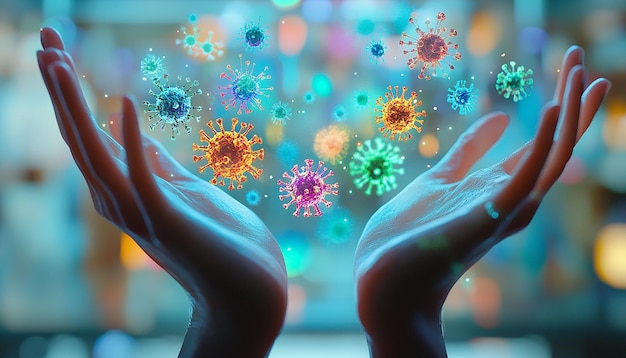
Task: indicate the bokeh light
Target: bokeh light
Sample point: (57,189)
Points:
(484,33)
(296,251)
(322,85)
(609,255)
(292,33)
(428,145)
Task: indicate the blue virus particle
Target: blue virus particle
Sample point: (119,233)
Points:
(376,50)
(339,113)
(173,104)
(152,67)
(253,197)
(308,97)
(287,152)
(245,89)
(361,99)
(191,41)
(336,227)
(514,82)
(365,27)
(281,113)
(253,35)
(375,166)
(462,97)
(209,49)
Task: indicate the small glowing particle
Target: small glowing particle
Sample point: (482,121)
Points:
(430,47)
(462,97)
(173,104)
(281,113)
(229,153)
(373,166)
(514,82)
(336,228)
(152,66)
(331,143)
(376,50)
(398,114)
(253,198)
(307,188)
(244,88)
(339,113)
(361,99)
(253,35)
(308,97)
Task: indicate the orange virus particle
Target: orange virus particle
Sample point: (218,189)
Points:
(398,114)
(430,47)
(229,153)
(331,143)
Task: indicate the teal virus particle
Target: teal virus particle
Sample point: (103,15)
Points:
(462,97)
(287,152)
(376,50)
(339,113)
(361,99)
(190,38)
(375,166)
(308,97)
(253,35)
(173,104)
(336,228)
(245,88)
(209,49)
(281,113)
(307,188)
(152,67)
(191,41)
(514,82)
(253,197)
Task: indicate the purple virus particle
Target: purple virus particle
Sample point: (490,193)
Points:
(376,50)
(245,88)
(462,97)
(307,188)
(253,35)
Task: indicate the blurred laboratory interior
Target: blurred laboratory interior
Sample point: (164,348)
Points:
(73,286)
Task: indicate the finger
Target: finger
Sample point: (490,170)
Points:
(591,100)
(50,38)
(573,57)
(471,146)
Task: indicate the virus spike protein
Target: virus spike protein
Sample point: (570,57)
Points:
(374,166)
(244,88)
(307,188)
(399,114)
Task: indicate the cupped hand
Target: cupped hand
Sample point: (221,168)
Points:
(216,248)
(416,246)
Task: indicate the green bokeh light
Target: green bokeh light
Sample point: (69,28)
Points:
(285,3)
(322,85)
(295,248)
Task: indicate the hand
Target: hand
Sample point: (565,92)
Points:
(415,247)
(217,249)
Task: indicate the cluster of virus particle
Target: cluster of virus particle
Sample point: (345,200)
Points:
(287,152)
(307,188)
(361,99)
(191,41)
(462,97)
(244,88)
(229,153)
(336,228)
(339,113)
(430,47)
(331,143)
(514,82)
(374,166)
(308,97)
(253,35)
(253,197)
(281,113)
(173,104)
(376,50)
(398,114)
(152,67)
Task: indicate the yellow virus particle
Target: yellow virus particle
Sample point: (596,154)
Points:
(398,114)
(229,153)
(331,144)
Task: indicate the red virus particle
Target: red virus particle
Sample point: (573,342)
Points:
(229,153)
(307,188)
(430,47)
(398,114)
(331,143)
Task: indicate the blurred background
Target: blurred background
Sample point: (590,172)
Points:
(72,285)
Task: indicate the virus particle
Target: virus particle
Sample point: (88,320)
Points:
(361,99)
(308,97)
(152,67)
(462,97)
(373,166)
(336,227)
(331,143)
(399,114)
(430,47)
(253,35)
(229,153)
(190,38)
(244,88)
(307,188)
(253,197)
(209,49)
(173,104)
(281,113)
(287,152)
(339,113)
(376,50)
(514,82)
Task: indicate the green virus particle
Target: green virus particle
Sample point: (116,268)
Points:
(190,38)
(398,114)
(462,97)
(430,47)
(374,166)
(209,49)
(514,82)
(287,152)
(365,27)
(308,97)
(244,88)
(173,104)
(339,113)
(376,50)
(253,197)
(307,188)
(336,228)
(152,67)
(253,35)
(281,113)
(361,99)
